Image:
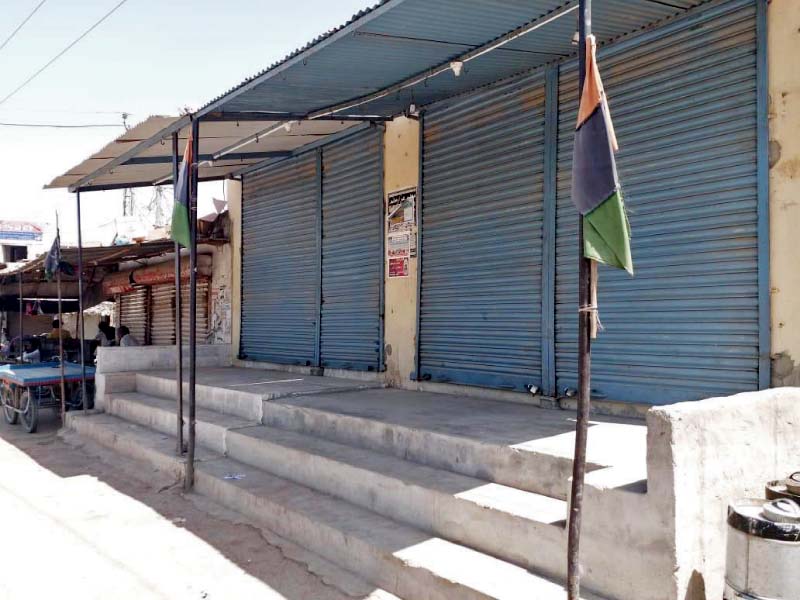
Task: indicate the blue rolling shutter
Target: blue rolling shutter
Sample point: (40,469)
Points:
(480,310)
(683,100)
(280,263)
(352,252)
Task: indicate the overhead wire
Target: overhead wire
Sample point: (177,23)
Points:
(63,52)
(62,125)
(21,25)
(67,111)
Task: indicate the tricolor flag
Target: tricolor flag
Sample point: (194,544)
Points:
(180,210)
(53,262)
(595,186)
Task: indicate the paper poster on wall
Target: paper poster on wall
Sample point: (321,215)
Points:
(401,216)
(398,245)
(398,267)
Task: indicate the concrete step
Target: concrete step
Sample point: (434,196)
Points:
(523,466)
(237,403)
(241,392)
(161,415)
(400,559)
(522,527)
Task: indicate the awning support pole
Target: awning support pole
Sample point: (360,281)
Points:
(21,345)
(60,329)
(80,302)
(178,309)
(193,181)
(585,318)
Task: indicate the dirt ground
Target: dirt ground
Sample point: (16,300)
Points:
(80,521)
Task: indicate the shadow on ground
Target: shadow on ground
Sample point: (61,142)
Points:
(281,569)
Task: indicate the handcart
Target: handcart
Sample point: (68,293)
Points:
(28,388)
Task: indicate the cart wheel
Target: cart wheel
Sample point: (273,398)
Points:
(6,397)
(77,398)
(30,418)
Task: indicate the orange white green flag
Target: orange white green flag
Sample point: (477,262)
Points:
(596,190)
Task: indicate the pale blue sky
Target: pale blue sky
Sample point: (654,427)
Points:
(149,57)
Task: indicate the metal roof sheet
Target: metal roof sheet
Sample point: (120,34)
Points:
(149,145)
(377,64)
(398,39)
(97,256)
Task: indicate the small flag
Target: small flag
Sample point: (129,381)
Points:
(180,210)
(53,262)
(595,186)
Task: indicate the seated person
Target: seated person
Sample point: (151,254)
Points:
(54,333)
(125,337)
(5,344)
(32,355)
(105,334)
(111,332)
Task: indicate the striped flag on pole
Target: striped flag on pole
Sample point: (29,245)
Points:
(595,186)
(180,210)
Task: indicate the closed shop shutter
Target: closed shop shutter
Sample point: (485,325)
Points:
(480,312)
(352,255)
(683,100)
(201,326)
(280,263)
(162,314)
(133,312)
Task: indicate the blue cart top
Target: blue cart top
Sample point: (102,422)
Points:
(42,373)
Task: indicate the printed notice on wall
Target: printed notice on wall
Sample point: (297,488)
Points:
(398,245)
(398,267)
(401,230)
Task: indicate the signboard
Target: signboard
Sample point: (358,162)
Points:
(401,230)
(20,231)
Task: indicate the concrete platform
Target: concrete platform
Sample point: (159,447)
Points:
(612,440)
(517,445)
(483,482)
(521,527)
(513,444)
(270,385)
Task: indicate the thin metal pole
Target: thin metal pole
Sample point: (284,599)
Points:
(80,301)
(21,345)
(178,308)
(60,327)
(585,316)
(189,481)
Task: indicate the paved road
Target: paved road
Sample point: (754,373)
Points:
(84,523)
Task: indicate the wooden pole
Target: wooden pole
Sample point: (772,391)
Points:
(178,307)
(586,316)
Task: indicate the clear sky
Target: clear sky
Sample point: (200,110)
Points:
(149,57)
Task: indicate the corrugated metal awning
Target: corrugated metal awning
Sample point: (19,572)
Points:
(96,256)
(387,58)
(397,45)
(142,156)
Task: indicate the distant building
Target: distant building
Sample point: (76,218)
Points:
(19,240)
